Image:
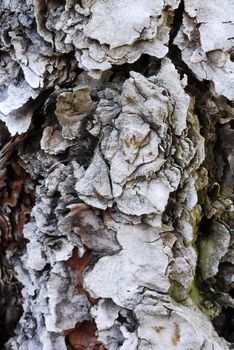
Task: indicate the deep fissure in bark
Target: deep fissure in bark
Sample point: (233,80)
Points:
(15,206)
(223,320)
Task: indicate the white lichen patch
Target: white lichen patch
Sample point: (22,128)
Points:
(131,157)
(163,325)
(123,276)
(115,155)
(130,29)
(206,42)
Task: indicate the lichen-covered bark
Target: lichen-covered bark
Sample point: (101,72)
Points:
(116,179)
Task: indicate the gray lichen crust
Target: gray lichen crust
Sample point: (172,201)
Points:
(206,42)
(119,166)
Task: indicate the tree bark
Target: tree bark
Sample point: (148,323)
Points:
(116,178)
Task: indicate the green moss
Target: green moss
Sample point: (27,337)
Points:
(171,290)
(196,216)
(194,299)
(195,294)
(198,301)
(169,17)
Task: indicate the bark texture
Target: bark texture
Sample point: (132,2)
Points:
(116,174)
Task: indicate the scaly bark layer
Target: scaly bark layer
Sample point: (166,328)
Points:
(116,174)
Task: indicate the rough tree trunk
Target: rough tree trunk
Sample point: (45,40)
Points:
(116,174)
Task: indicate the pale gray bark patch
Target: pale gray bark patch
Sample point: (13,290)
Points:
(127,171)
(206,42)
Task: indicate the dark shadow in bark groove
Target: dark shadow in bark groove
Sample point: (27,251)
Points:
(224,324)
(194,86)
(15,210)
(15,206)
(214,151)
(146,65)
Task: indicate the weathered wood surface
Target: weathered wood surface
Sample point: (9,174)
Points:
(116,179)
